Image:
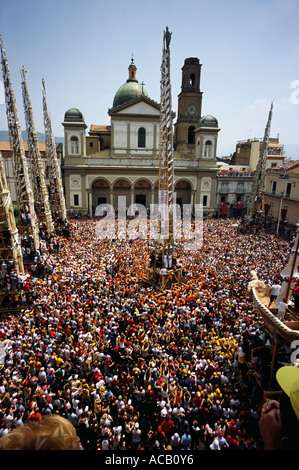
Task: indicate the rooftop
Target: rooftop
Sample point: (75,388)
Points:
(99,128)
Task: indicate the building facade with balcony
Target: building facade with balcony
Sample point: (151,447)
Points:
(234,181)
(233,190)
(248,151)
(281,198)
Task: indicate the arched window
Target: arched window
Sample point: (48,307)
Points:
(141,137)
(192,79)
(191,135)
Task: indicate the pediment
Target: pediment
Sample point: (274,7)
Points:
(140,106)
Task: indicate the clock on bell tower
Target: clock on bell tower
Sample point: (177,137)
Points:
(189,107)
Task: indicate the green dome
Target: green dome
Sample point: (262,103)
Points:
(73,115)
(127,92)
(208,121)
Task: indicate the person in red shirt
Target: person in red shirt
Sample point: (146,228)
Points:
(232,428)
(160,436)
(233,442)
(167,425)
(35,415)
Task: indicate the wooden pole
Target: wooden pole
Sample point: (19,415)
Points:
(294,263)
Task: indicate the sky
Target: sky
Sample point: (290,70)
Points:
(249,51)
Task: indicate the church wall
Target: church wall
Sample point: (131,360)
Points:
(120,137)
(125,137)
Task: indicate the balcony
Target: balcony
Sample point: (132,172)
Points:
(275,152)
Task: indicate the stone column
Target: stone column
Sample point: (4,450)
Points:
(192,200)
(90,203)
(111,197)
(153,196)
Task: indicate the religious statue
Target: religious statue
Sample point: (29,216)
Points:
(258,285)
(167,37)
(74,146)
(207,151)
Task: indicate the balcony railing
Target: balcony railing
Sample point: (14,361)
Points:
(274,152)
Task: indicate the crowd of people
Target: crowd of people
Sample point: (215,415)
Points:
(129,365)
(233,172)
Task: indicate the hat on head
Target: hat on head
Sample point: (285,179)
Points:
(288,379)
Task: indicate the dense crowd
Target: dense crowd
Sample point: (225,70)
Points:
(130,366)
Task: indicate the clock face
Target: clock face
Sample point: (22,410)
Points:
(191,109)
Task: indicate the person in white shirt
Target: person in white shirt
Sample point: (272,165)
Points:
(275,289)
(136,435)
(282,308)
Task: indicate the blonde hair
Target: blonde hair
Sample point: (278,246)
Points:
(52,433)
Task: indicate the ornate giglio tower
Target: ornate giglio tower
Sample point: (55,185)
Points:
(162,272)
(28,223)
(57,195)
(41,199)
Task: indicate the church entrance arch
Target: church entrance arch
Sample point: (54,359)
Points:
(100,193)
(183,192)
(143,192)
(122,187)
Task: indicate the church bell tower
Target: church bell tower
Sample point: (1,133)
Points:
(189,107)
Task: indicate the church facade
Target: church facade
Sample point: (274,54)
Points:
(122,159)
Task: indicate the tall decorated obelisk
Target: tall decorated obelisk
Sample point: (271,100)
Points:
(40,189)
(162,271)
(166,170)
